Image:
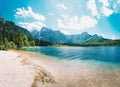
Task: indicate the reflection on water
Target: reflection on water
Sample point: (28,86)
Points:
(81,66)
(109,54)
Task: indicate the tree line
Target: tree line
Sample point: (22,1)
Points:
(13,36)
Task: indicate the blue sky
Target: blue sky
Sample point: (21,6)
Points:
(69,16)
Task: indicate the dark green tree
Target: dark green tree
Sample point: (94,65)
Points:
(32,43)
(13,45)
(6,43)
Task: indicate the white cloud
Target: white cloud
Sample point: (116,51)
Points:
(51,14)
(105,8)
(108,36)
(118,1)
(23,13)
(76,24)
(106,12)
(61,6)
(104,2)
(37,18)
(113,37)
(114,6)
(92,6)
(31,25)
(103,35)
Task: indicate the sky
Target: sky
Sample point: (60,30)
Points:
(100,17)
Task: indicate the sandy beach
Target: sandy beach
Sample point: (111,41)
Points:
(17,71)
(36,70)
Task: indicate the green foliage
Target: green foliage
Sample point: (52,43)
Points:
(32,43)
(102,42)
(26,43)
(13,36)
(42,43)
(6,43)
(1,39)
(13,45)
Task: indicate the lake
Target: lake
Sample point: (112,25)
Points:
(101,53)
(81,66)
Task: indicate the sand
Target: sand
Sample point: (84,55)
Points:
(17,71)
(36,70)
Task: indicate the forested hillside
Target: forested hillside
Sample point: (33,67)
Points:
(13,36)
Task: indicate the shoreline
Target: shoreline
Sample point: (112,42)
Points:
(64,73)
(34,74)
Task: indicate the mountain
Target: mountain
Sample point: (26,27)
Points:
(13,36)
(101,42)
(50,35)
(9,25)
(35,34)
(79,38)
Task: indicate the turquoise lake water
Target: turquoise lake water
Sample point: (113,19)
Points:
(106,54)
(81,66)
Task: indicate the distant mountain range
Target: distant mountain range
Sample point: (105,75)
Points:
(13,36)
(50,35)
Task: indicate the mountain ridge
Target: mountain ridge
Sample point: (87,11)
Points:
(50,35)
(13,36)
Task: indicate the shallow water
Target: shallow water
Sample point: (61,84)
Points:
(106,54)
(81,66)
